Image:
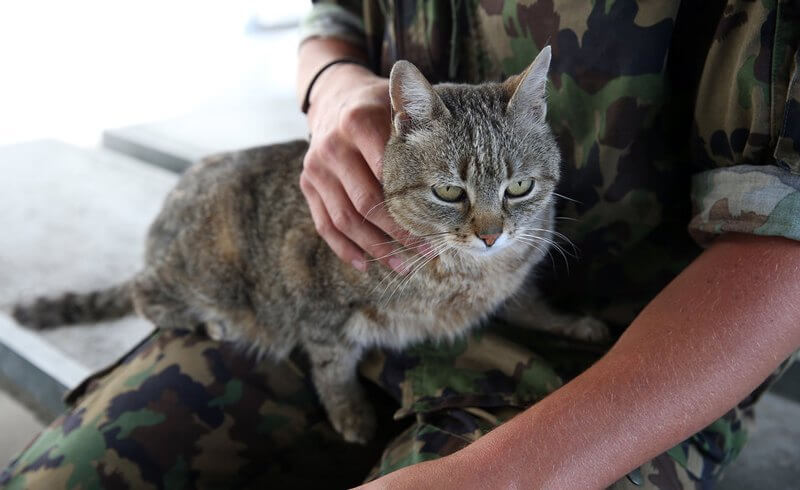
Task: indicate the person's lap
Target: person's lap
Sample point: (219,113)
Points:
(182,411)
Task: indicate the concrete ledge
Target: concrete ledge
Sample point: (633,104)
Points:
(40,355)
(255,120)
(73,220)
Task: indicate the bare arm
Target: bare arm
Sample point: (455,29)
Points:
(315,52)
(349,121)
(703,344)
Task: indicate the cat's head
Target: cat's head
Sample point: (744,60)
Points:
(471,166)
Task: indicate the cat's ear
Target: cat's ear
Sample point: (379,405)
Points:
(414,102)
(529,89)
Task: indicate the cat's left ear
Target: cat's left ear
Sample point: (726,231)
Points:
(414,102)
(529,89)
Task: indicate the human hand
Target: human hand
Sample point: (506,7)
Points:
(349,119)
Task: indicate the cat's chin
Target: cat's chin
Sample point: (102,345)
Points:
(478,249)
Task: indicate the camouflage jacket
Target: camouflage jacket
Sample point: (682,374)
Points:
(669,114)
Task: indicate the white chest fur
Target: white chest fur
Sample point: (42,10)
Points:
(438,305)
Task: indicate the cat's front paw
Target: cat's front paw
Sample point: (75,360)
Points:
(588,329)
(216,331)
(355,421)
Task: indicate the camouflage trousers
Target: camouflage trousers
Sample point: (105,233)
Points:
(181,411)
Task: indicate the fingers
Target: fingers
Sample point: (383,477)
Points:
(369,130)
(342,226)
(345,249)
(342,168)
(366,195)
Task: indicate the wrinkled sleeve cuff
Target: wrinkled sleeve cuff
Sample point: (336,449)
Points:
(755,199)
(329,20)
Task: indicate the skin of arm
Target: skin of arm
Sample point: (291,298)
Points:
(701,345)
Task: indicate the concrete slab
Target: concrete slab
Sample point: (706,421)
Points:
(18,427)
(789,384)
(771,460)
(74,220)
(257,118)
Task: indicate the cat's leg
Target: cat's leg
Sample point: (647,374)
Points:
(538,315)
(333,369)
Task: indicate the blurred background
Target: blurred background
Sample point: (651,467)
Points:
(74,69)
(102,104)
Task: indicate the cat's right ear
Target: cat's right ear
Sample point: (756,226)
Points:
(528,90)
(414,102)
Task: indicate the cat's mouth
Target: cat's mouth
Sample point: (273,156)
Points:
(480,248)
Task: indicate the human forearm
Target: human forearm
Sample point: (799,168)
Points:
(701,345)
(705,342)
(315,53)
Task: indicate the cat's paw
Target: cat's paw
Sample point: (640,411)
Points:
(216,331)
(588,329)
(355,421)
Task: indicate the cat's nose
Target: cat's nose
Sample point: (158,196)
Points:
(489,239)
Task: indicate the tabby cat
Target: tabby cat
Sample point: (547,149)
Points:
(469,169)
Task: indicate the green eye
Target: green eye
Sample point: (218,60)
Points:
(519,188)
(448,193)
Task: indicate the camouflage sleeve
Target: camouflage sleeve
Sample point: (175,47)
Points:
(746,136)
(341,19)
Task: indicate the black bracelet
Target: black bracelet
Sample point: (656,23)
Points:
(306,99)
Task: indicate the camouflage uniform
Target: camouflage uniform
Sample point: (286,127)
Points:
(667,114)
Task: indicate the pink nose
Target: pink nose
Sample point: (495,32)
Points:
(489,239)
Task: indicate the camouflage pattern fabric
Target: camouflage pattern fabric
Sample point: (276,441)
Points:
(183,412)
(669,114)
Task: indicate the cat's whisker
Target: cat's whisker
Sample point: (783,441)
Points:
(401,286)
(562,196)
(533,244)
(382,203)
(554,232)
(563,218)
(433,252)
(566,218)
(394,275)
(558,235)
(415,238)
(553,244)
(391,273)
(543,250)
(402,249)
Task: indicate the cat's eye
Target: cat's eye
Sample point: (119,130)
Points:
(519,188)
(448,193)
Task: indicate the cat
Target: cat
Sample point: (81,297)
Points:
(469,169)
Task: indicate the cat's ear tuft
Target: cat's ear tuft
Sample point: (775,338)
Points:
(414,102)
(529,89)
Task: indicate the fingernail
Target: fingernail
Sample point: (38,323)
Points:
(359,264)
(398,264)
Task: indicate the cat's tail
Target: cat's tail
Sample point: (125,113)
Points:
(73,308)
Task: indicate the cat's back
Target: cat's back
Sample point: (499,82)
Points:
(275,167)
(225,203)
